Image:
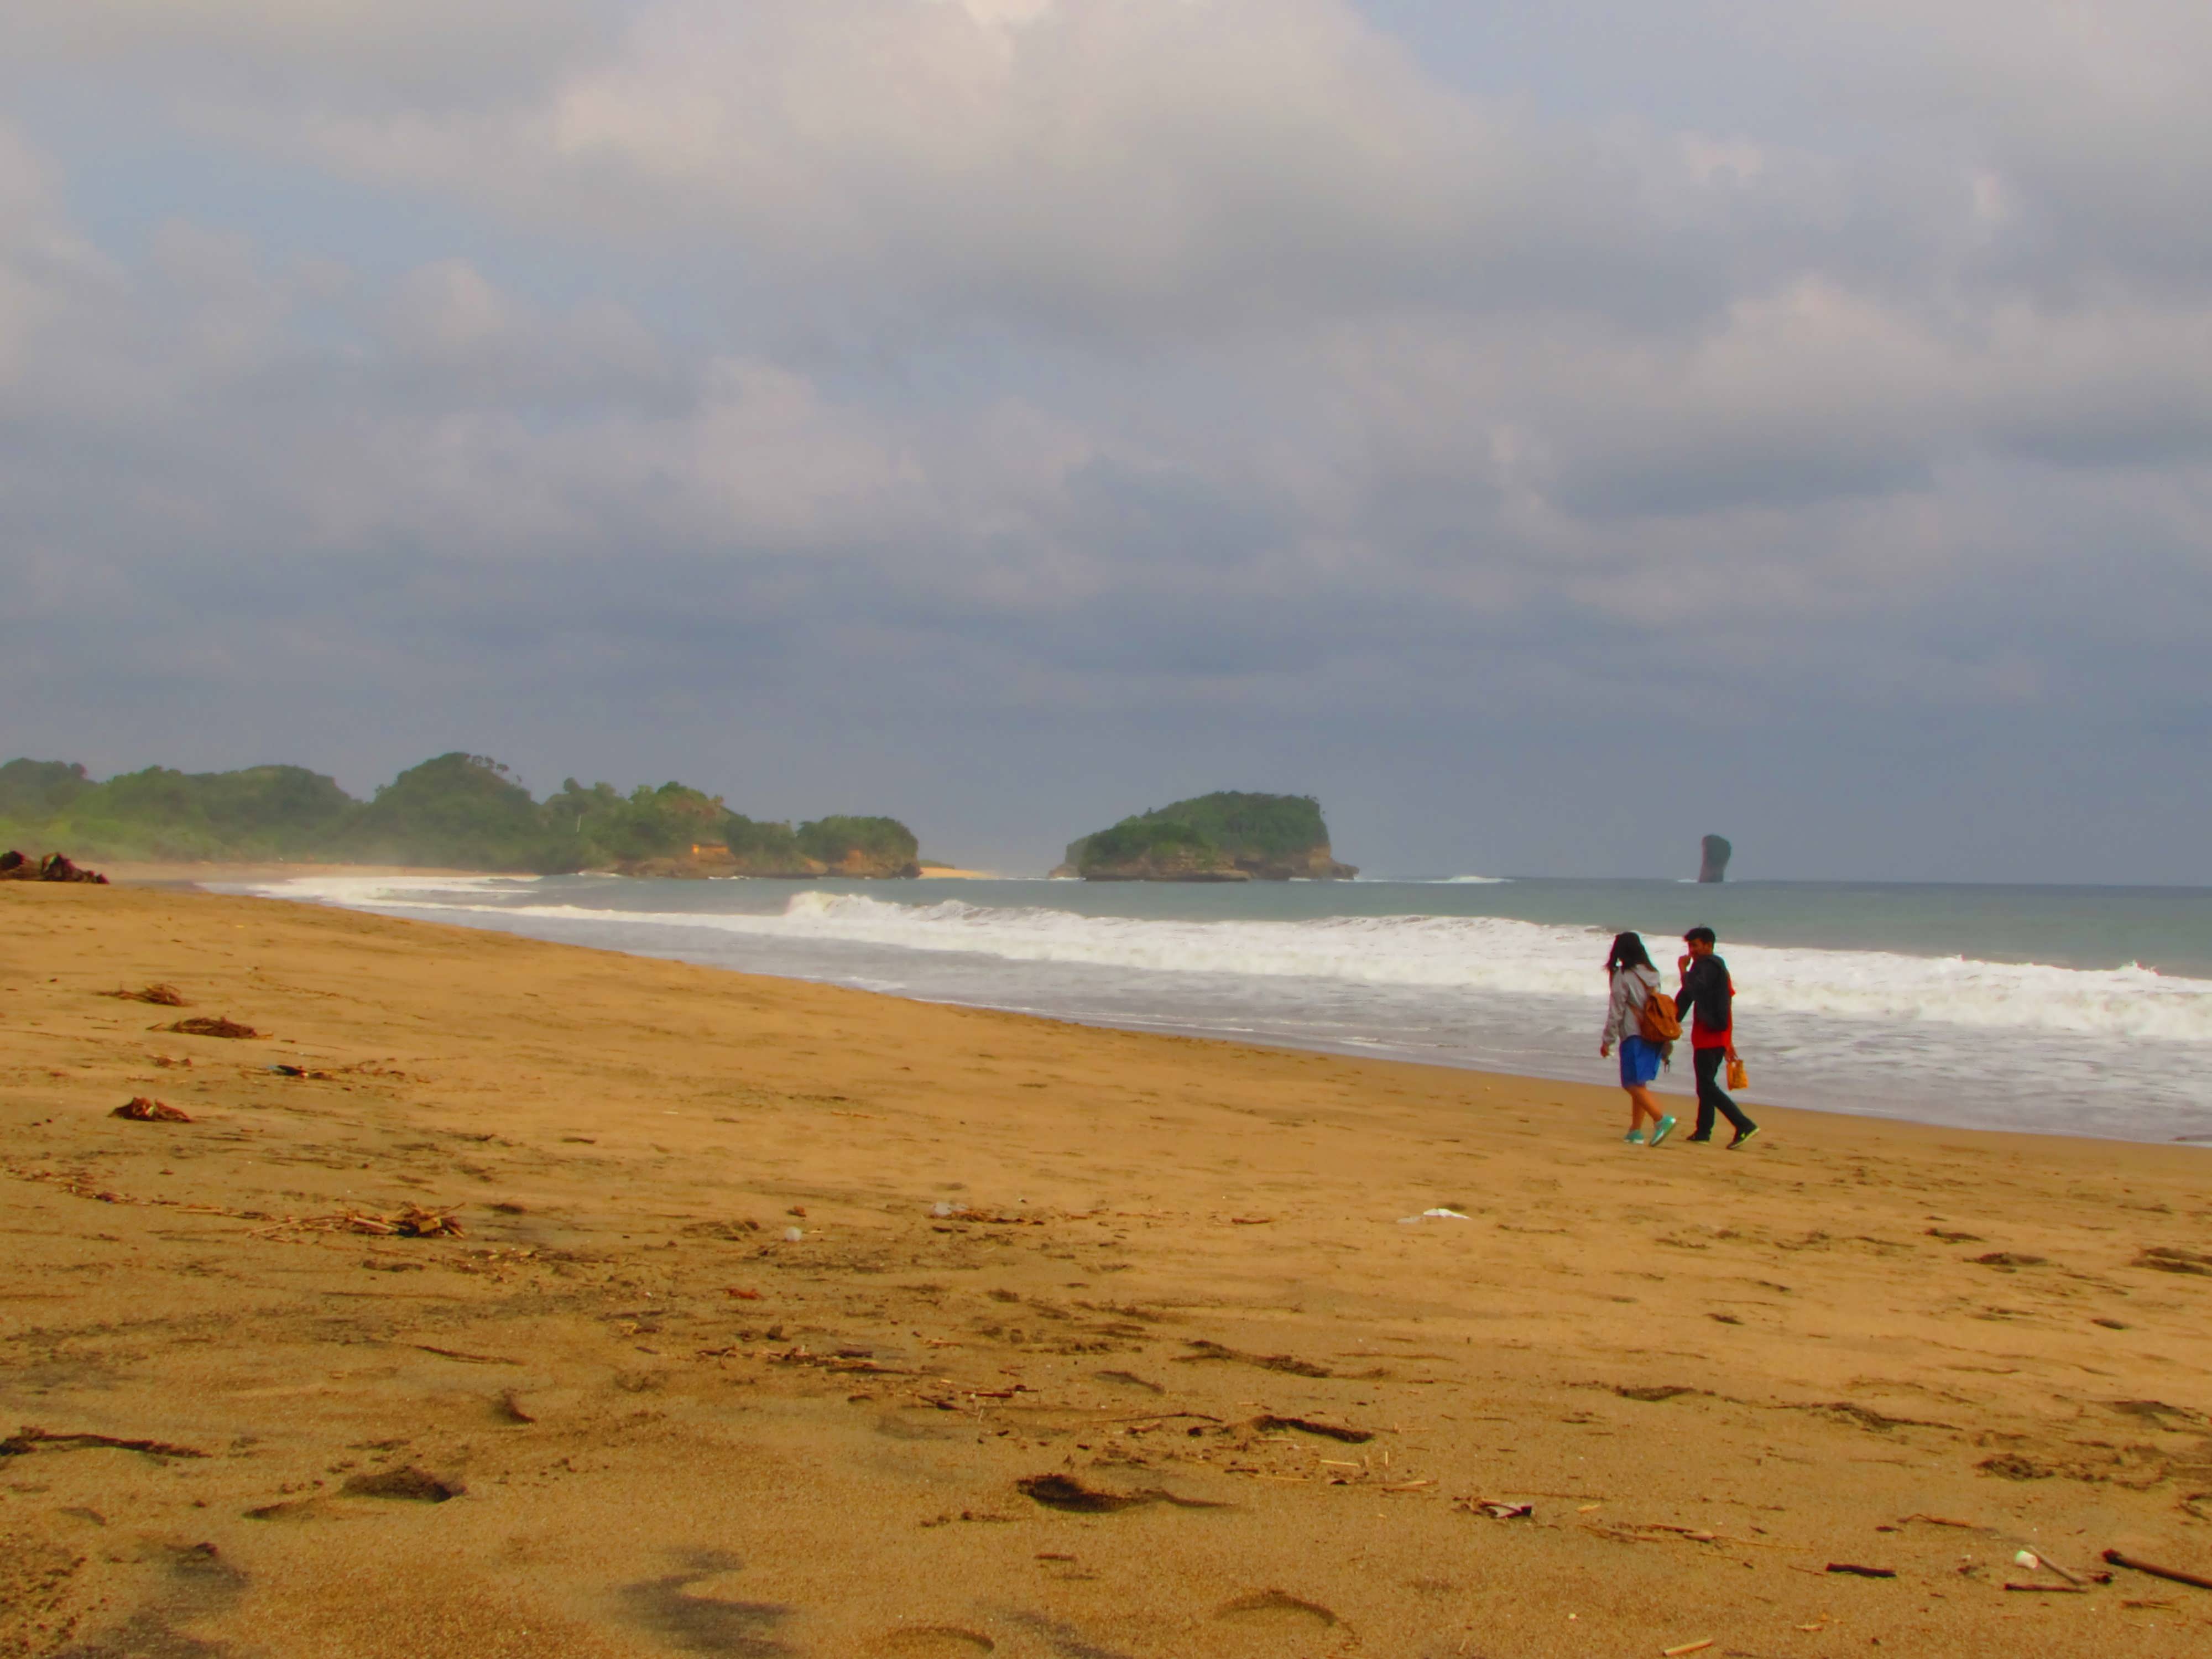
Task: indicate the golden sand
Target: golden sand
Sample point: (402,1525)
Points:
(1180,1297)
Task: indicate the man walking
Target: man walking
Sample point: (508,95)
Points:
(1707,1002)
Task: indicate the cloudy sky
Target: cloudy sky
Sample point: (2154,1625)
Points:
(1546,429)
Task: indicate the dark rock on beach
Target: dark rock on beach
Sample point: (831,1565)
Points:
(18,867)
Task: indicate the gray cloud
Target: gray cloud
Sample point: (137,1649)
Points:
(829,391)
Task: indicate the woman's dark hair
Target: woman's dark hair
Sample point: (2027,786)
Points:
(1628,951)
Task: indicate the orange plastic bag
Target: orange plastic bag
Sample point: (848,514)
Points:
(1738,1078)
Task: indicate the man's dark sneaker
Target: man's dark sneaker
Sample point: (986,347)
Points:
(1742,1135)
(1698,1141)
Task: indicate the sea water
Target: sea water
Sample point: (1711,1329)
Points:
(2082,1011)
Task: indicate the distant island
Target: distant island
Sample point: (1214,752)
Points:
(457,811)
(1713,866)
(1227,836)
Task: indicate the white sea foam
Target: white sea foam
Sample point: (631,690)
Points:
(1459,954)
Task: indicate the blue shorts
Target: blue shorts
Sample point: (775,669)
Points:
(1639,1062)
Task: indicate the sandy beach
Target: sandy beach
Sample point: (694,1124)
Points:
(791,1320)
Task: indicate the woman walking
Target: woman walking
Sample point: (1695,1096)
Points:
(1634,982)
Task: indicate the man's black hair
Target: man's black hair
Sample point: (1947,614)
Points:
(1700,936)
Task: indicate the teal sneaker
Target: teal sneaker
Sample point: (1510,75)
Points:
(1634,1137)
(1661,1129)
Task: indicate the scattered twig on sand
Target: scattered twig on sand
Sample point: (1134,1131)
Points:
(79,1186)
(1687,1648)
(1943,1521)
(1266,1362)
(1858,1571)
(28,1439)
(2172,1575)
(162,995)
(2037,1563)
(210,1026)
(465,1359)
(2049,1590)
(140,1109)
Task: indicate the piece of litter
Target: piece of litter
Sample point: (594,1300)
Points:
(2050,1589)
(1686,1647)
(1502,1511)
(1432,1215)
(794,1235)
(943,1211)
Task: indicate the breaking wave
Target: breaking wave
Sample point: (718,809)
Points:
(1459,954)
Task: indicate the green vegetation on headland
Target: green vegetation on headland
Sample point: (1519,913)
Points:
(459,811)
(1228,837)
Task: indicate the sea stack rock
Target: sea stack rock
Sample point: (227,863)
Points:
(1718,854)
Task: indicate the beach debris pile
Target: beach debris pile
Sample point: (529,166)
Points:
(21,866)
(408,1221)
(162,995)
(203,1025)
(140,1109)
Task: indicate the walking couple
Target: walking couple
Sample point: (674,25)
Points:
(1645,1022)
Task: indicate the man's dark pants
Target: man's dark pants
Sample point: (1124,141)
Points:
(1711,1099)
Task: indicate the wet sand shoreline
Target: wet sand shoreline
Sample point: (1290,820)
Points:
(1093,1342)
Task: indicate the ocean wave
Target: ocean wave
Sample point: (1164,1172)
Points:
(1467,955)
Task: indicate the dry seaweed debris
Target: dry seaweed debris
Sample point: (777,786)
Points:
(2165,1259)
(1065,1492)
(162,995)
(408,1221)
(409,1485)
(1270,1424)
(141,1110)
(27,1439)
(215,1026)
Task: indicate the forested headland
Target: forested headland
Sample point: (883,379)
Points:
(457,811)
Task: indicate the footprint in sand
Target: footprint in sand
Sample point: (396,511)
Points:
(934,1642)
(1278,1610)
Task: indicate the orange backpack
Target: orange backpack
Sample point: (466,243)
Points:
(1656,1021)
